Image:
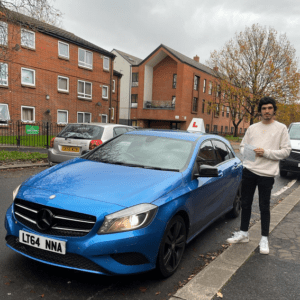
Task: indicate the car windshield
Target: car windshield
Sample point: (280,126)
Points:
(295,132)
(142,151)
(82,131)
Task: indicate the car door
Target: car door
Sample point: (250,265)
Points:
(205,192)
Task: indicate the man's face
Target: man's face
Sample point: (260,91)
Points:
(267,112)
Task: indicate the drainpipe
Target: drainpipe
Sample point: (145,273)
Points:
(110,90)
(129,102)
(117,106)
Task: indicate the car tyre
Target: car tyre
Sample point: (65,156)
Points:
(50,163)
(172,247)
(236,209)
(283,173)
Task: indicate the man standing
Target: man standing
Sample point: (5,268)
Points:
(272,143)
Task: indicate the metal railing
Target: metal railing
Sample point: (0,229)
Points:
(159,104)
(37,134)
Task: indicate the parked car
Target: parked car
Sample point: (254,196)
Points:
(292,163)
(78,137)
(128,206)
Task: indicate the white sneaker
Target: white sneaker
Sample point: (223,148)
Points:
(239,237)
(264,245)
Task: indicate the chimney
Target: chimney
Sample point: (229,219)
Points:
(216,69)
(196,58)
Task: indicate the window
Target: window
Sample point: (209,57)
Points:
(227,112)
(84,117)
(210,88)
(134,123)
(215,128)
(114,86)
(63,50)
(207,128)
(62,116)
(84,89)
(222,152)
(226,129)
(218,94)
(217,112)
(27,114)
(204,85)
(63,84)
(196,83)
(104,118)
(232,129)
(105,92)
(28,38)
(206,154)
(27,77)
(105,63)
(3,33)
(223,107)
(3,74)
(135,79)
(195,104)
(203,106)
(112,113)
(4,113)
(119,130)
(221,129)
(240,130)
(174,81)
(85,58)
(209,108)
(134,98)
(173,101)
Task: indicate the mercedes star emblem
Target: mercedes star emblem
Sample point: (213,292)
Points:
(44,219)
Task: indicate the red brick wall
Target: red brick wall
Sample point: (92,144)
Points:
(47,65)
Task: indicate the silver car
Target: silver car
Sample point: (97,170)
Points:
(78,137)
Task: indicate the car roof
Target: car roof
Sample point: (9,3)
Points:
(176,134)
(101,124)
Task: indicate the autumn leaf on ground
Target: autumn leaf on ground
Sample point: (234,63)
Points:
(143,289)
(157,293)
(7,283)
(43,295)
(219,295)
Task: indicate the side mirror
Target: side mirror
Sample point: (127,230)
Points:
(209,171)
(84,152)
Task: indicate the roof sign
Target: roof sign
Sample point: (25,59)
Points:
(197,125)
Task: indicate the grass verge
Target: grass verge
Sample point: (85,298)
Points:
(16,155)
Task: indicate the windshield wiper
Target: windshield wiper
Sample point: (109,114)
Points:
(162,169)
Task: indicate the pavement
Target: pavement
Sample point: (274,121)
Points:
(241,272)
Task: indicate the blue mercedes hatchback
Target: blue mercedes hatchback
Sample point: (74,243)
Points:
(128,206)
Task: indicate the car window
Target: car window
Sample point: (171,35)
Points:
(82,131)
(231,155)
(129,129)
(295,132)
(206,154)
(119,130)
(146,151)
(222,151)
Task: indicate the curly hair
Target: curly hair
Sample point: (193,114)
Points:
(267,100)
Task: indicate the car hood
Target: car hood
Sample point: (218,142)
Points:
(295,144)
(114,184)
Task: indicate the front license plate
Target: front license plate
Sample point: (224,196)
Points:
(42,242)
(70,149)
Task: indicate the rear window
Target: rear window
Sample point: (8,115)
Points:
(82,131)
(295,132)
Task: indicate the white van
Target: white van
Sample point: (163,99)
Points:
(292,163)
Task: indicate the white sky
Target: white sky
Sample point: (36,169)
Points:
(190,27)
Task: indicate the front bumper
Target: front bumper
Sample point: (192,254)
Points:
(120,253)
(291,164)
(58,157)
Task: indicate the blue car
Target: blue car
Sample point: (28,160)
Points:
(128,206)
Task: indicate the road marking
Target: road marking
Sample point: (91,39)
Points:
(291,183)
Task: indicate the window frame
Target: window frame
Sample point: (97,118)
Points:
(61,55)
(84,96)
(195,100)
(28,31)
(136,98)
(60,90)
(174,82)
(84,64)
(114,86)
(62,110)
(8,119)
(27,121)
(106,116)
(28,84)
(5,80)
(196,82)
(204,85)
(5,36)
(105,58)
(84,113)
(103,88)
(210,88)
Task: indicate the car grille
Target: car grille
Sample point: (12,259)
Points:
(295,155)
(64,222)
(69,259)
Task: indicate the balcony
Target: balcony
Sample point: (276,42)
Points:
(134,83)
(159,104)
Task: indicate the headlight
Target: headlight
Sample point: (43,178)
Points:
(128,219)
(15,192)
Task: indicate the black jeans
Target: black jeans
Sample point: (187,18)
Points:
(249,183)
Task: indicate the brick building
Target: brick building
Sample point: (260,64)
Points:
(49,74)
(169,89)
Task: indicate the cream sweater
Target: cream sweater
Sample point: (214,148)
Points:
(275,141)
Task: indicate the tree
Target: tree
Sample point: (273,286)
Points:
(257,62)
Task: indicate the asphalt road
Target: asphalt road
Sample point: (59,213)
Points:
(24,279)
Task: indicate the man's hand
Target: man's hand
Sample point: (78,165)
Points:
(259,151)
